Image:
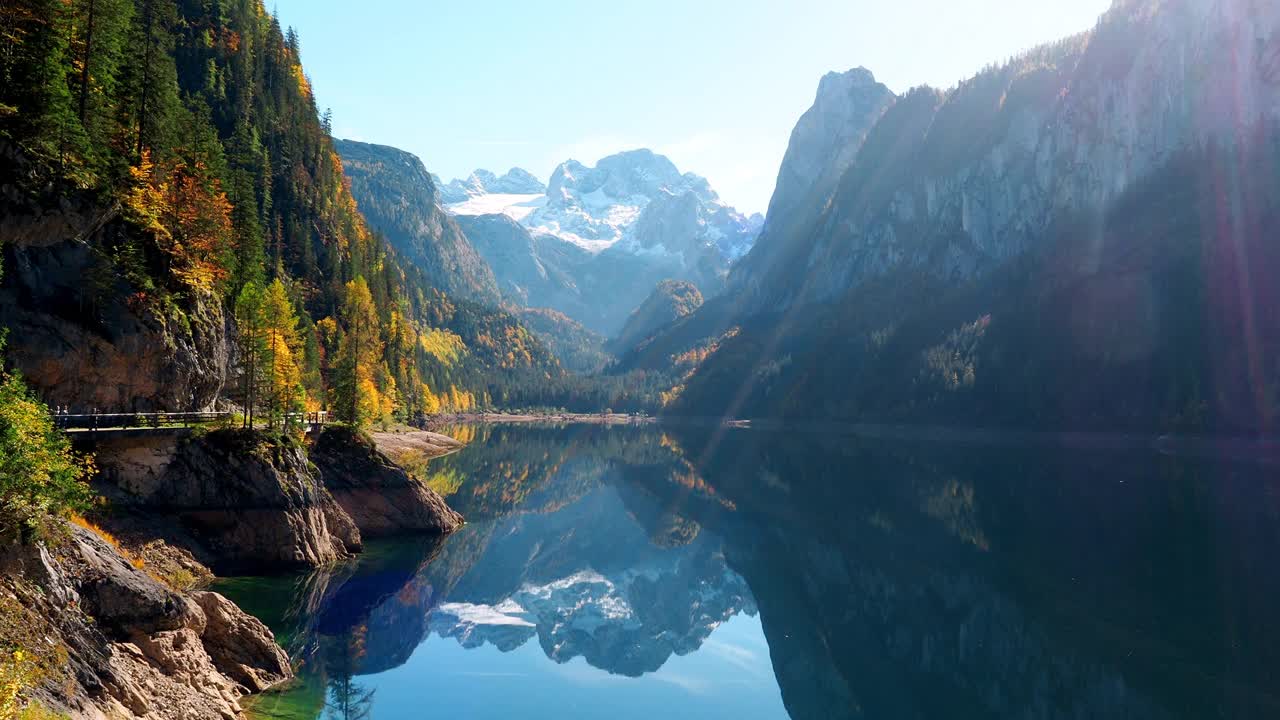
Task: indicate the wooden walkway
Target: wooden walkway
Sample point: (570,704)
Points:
(164,422)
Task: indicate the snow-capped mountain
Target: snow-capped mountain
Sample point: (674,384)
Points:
(595,241)
(636,199)
(617,623)
(517,181)
(598,578)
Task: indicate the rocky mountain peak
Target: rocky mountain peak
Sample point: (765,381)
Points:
(598,206)
(602,236)
(823,146)
(516,181)
(835,83)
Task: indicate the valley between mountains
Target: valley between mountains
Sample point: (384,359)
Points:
(228,339)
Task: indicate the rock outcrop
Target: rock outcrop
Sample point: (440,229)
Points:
(246,501)
(378,495)
(823,145)
(134,648)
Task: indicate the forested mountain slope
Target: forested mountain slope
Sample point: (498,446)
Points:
(177,228)
(397,196)
(669,301)
(1077,238)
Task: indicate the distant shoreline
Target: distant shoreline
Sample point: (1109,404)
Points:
(555,418)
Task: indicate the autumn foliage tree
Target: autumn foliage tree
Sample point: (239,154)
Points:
(363,389)
(281,348)
(196,119)
(199,226)
(270,355)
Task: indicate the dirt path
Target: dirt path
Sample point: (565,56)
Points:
(396,444)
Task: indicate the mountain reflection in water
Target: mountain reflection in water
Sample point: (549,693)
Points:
(629,571)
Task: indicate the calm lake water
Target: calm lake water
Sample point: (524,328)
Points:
(681,573)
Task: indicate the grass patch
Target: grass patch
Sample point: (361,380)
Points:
(87,524)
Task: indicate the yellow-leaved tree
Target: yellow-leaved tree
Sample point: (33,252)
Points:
(363,390)
(270,354)
(281,348)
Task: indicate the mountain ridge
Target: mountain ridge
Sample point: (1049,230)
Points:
(516,181)
(991,255)
(396,194)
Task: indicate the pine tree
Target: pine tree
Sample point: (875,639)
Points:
(151,78)
(99,38)
(244,155)
(249,342)
(36,107)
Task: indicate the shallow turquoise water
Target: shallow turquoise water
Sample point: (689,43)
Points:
(640,573)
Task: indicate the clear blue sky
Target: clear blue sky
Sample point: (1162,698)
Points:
(716,85)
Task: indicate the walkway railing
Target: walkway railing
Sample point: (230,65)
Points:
(103,422)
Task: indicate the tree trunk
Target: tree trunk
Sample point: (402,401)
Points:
(88,58)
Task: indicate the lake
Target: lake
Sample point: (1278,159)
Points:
(641,572)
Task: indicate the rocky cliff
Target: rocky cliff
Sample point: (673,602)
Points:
(241,500)
(1074,238)
(958,182)
(378,495)
(87,336)
(112,642)
(823,145)
(534,272)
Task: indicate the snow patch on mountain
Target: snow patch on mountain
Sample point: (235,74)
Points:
(514,205)
(606,205)
(517,181)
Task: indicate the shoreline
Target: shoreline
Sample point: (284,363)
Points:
(437,421)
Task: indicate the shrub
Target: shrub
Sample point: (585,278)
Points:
(40,475)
